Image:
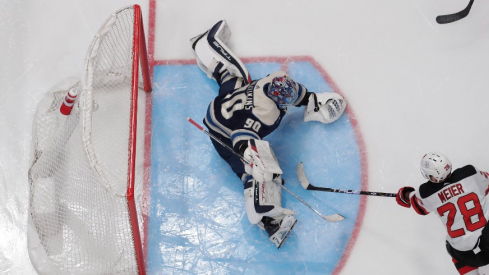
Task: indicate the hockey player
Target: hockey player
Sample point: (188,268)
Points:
(246,111)
(460,200)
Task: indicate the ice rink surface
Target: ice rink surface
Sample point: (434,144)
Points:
(412,86)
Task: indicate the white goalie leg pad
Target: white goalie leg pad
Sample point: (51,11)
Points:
(253,216)
(324,107)
(210,48)
(264,199)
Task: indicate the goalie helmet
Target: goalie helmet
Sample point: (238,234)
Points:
(436,165)
(283,90)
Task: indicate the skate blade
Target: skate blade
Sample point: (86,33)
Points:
(334,218)
(286,235)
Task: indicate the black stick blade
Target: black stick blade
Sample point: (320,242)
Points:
(449,18)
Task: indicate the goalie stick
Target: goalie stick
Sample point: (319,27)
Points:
(307,185)
(331,218)
(449,18)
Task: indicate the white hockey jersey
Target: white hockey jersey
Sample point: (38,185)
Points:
(461,202)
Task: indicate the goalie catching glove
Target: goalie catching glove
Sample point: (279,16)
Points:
(262,163)
(324,107)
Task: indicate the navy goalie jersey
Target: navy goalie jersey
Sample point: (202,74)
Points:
(247,112)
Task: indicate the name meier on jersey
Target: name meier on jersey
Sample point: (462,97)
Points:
(450,192)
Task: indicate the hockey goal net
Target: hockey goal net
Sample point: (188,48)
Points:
(86,175)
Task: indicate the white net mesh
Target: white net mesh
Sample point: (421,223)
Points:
(79,175)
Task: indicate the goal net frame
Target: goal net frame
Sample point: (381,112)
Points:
(46,149)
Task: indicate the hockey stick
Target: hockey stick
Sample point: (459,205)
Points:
(307,185)
(449,18)
(331,218)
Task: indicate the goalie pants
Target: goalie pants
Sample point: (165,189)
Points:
(230,158)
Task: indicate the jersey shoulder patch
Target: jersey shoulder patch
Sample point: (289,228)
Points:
(264,108)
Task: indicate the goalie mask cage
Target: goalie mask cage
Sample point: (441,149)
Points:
(87,170)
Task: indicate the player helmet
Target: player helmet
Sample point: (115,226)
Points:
(283,91)
(436,165)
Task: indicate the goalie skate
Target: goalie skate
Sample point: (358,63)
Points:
(279,229)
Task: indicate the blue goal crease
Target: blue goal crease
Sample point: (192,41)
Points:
(197,220)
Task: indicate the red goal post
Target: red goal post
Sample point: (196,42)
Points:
(87,167)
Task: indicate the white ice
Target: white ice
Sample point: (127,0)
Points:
(414,86)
